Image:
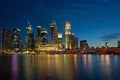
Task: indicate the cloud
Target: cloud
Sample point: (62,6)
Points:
(110,37)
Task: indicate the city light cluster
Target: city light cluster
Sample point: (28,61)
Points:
(12,41)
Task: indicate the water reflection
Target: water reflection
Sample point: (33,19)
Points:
(59,67)
(14,68)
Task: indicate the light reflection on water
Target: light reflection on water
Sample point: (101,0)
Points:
(60,67)
(14,67)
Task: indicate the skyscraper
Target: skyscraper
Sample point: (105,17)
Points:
(6,39)
(38,37)
(59,41)
(74,41)
(44,36)
(39,31)
(53,32)
(16,40)
(29,38)
(67,35)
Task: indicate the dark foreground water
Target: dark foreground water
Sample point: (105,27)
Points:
(60,67)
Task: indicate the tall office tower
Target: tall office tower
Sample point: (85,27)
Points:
(118,44)
(16,40)
(67,35)
(38,37)
(53,32)
(6,39)
(84,45)
(74,41)
(59,41)
(39,31)
(29,38)
(43,36)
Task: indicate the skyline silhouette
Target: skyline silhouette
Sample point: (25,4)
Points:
(96,21)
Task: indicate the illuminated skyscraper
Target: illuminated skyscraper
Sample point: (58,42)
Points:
(39,31)
(67,35)
(43,36)
(38,37)
(6,39)
(59,41)
(53,32)
(16,40)
(29,38)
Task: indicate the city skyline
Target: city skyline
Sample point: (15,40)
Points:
(13,40)
(96,21)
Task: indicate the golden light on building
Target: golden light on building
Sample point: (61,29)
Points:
(67,35)
(59,41)
(68,26)
(59,35)
(48,47)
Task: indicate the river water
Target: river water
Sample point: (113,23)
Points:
(60,67)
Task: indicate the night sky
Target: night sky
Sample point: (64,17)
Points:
(96,21)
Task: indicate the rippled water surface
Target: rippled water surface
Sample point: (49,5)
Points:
(60,67)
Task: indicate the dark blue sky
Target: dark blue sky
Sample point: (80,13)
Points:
(94,20)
